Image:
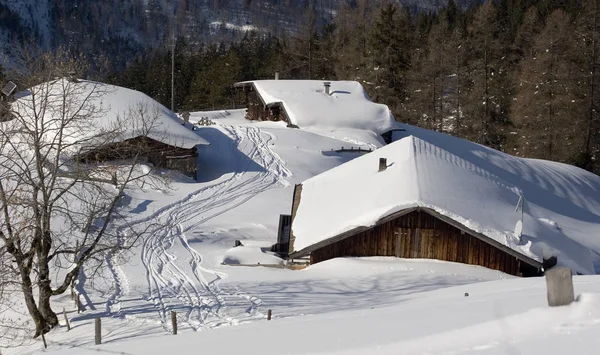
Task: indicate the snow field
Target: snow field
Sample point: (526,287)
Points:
(372,305)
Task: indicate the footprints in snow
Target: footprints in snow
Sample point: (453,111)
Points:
(199,302)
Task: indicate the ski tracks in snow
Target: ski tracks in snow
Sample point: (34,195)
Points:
(191,289)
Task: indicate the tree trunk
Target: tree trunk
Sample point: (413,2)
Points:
(45,290)
(50,318)
(41,325)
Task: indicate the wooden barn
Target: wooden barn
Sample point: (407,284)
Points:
(419,233)
(257,108)
(122,123)
(159,154)
(309,103)
(429,195)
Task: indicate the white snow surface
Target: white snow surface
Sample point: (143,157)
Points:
(307,105)
(251,255)
(477,186)
(344,306)
(109,108)
(367,306)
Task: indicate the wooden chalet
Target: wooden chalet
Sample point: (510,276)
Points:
(433,196)
(140,127)
(416,232)
(159,154)
(257,108)
(314,103)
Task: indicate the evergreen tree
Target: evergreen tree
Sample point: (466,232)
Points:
(390,46)
(549,105)
(351,41)
(588,44)
(428,81)
(483,102)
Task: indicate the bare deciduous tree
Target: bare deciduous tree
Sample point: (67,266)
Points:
(59,211)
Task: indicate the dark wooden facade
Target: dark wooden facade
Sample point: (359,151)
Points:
(418,233)
(282,246)
(159,154)
(257,110)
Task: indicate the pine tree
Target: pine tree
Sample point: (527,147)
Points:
(549,102)
(486,68)
(430,77)
(588,44)
(351,41)
(390,46)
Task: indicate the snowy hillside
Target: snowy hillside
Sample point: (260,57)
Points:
(341,306)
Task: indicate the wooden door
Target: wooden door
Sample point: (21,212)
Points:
(407,242)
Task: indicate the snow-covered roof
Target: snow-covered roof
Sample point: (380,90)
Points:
(476,186)
(307,104)
(107,107)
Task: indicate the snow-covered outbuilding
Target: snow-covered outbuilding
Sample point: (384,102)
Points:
(430,195)
(117,123)
(314,103)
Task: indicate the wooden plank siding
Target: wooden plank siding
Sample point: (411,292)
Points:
(160,154)
(257,110)
(421,235)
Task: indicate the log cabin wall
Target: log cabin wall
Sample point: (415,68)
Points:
(421,235)
(160,154)
(258,112)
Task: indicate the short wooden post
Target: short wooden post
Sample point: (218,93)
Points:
(269,313)
(79,305)
(559,282)
(382,164)
(98,337)
(174,322)
(66,319)
(44,340)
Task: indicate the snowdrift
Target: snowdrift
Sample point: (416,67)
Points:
(477,186)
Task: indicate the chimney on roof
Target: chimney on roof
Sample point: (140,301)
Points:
(327,87)
(382,164)
(276,75)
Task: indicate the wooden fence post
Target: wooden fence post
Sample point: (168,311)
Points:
(98,337)
(174,322)
(66,320)
(269,313)
(44,340)
(78,301)
(559,282)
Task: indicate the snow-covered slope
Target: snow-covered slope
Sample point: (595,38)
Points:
(307,105)
(372,306)
(344,306)
(106,108)
(477,186)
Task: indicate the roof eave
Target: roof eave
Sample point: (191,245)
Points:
(430,211)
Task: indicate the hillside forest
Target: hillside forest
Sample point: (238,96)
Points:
(521,76)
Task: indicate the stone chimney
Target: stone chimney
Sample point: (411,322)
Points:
(327,87)
(382,164)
